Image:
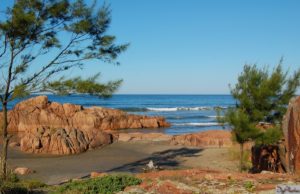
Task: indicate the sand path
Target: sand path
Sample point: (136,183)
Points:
(120,157)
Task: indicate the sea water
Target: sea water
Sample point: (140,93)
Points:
(186,113)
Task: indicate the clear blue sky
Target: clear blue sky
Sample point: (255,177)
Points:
(199,46)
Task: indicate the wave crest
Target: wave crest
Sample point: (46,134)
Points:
(170,109)
(198,124)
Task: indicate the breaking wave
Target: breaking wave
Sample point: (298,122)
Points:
(198,124)
(170,109)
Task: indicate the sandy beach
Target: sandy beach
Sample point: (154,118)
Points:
(120,157)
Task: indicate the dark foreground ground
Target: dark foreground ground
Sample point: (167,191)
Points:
(120,157)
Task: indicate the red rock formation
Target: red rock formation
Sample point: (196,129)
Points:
(291,130)
(211,138)
(50,127)
(62,141)
(206,181)
(38,112)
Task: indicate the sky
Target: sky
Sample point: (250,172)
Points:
(198,46)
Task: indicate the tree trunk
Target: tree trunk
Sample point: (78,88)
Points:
(5,140)
(241,157)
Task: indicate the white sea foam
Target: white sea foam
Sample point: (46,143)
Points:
(198,124)
(215,116)
(178,109)
(162,109)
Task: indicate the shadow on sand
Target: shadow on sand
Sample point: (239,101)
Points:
(165,159)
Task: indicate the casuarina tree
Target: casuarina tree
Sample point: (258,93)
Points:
(261,96)
(264,95)
(41,40)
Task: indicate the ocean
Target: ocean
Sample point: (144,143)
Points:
(186,113)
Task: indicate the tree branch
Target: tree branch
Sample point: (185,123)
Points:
(9,73)
(52,62)
(5,46)
(74,60)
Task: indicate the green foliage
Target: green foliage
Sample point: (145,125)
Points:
(107,184)
(32,184)
(249,186)
(20,187)
(69,32)
(269,137)
(12,188)
(12,177)
(243,130)
(12,184)
(20,92)
(89,86)
(40,39)
(263,95)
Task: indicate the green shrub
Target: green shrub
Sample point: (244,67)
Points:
(12,188)
(270,137)
(249,186)
(107,184)
(32,184)
(10,177)
(12,184)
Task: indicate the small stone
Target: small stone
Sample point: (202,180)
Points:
(14,144)
(290,183)
(23,171)
(133,189)
(208,177)
(266,172)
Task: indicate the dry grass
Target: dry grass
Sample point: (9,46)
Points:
(234,154)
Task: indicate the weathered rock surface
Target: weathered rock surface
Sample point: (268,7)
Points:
(291,130)
(63,141)
(211,138)
(208,181)
(38,112)
(50,127)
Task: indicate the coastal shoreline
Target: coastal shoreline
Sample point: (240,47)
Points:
(129,157)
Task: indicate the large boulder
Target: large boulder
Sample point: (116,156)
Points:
(291,130)
(211,138)
(38,112)
(62,141)
(50,127)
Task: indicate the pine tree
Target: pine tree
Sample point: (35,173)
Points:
(261,96)
(41,40)
(264,95)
